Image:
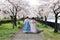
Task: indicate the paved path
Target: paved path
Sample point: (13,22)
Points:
(22,36)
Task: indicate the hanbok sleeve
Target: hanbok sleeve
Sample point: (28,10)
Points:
(24,21)
(29,21)
(33,22)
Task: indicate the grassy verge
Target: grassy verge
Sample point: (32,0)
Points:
(6,31)
(48,32)
(20,24)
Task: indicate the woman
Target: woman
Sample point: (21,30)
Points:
(26,27)
(33,26)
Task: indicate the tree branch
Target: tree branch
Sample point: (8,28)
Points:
(11,3)
(58,13)
(19,10)
(54,11)
(58,16)
(57,8)
(11,11)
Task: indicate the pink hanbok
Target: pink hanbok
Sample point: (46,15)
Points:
(33,26)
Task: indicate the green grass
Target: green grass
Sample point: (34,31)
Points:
(21,24)
(48,32)
(6,31)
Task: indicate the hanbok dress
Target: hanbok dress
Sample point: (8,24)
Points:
(33,26)
(26,27)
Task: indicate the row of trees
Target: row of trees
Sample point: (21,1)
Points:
(14,10)
(56,10)
(13,7)
(16,7)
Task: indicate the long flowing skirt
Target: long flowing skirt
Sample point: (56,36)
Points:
(26,27)
(34,28)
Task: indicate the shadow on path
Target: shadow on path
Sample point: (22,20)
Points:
(34,33)
(30,36)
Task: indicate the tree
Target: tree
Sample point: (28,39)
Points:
(43,13)
(40,13)
(56,10)
(16,7)
(14,10)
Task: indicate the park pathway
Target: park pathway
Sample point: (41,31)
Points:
(22,36)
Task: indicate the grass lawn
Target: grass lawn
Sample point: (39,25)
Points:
(48,32)
(6,30)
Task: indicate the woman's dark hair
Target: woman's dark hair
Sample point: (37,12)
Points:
(27,17)
(33,18)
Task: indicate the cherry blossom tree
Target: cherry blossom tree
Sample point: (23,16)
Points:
(56,11)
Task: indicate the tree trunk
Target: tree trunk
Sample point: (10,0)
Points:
(12,20)
(46,21)
(15,19)
(56,27)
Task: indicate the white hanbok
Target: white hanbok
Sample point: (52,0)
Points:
(33,26)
